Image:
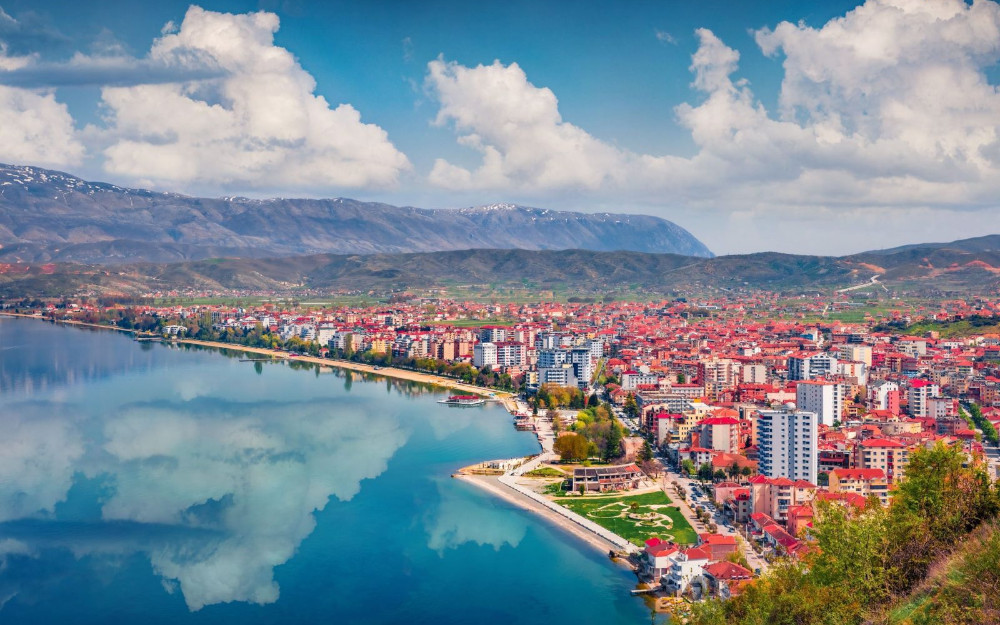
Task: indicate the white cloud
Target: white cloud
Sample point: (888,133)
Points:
(888,107)
(259,126)
(271,472)
(517,128)
(38,456)
(665,37)
(34,127)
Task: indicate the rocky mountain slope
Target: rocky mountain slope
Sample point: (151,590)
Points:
(50,216)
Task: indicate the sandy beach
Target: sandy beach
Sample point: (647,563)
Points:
(492,485)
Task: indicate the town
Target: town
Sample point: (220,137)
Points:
(749,414)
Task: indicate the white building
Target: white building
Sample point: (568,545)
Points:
(823,398)
(561,375)
(484,355)
(631,380)
(878,394)
(920,391)
(787,445)
(511,354)
(810,365)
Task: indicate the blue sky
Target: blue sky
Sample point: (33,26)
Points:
(804,127)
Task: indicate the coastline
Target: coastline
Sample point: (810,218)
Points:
(389,372)
(503,397)
(492,485)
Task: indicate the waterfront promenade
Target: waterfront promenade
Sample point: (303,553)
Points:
(508,487)
(389,372)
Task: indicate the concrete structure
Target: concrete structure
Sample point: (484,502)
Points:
(787,444)
(720,434)
(602,479)
(864,482)
(824,398)
(918,394)
(484,355)
(810,365)
(890,456)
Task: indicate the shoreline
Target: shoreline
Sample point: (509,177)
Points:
(503,397)
(492,485)
(388,372)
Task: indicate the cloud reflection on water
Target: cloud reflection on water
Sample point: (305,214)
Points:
(250,474)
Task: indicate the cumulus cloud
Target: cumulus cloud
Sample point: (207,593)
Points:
(38,457)
(517,128)
(886,107)
(34,127)
(259,125)
(250,473)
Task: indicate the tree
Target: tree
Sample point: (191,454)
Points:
(719,475)
(593,401)
(613,444)
(631,408)
(746,471)
(705,472)
(572,447)
(681,378)
(688,467)
(646,453)
(651,468)
(734,469)
(823,479)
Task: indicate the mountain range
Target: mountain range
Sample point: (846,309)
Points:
(51,216)
(61,235)
(968,266)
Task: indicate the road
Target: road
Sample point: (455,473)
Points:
(874,280)
(689,486)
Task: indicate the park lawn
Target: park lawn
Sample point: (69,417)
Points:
(611,512)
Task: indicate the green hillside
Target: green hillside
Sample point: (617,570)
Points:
(930,558)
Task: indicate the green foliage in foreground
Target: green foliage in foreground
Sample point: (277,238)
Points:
(597,509)
(966,591)
(866,562)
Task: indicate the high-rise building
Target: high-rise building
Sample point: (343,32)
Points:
(821,397)
(810,365)
(787,445)
(920,391)
(484,355)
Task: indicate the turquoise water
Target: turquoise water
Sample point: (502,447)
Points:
(141,483)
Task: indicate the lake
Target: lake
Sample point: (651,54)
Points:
(146,483)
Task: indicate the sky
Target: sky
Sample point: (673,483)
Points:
(820,127)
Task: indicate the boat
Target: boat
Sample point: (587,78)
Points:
(463,400)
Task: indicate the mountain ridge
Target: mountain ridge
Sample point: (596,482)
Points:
(933,270)
(52,216)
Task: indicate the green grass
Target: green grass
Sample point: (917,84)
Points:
(610,512)
(546,472)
